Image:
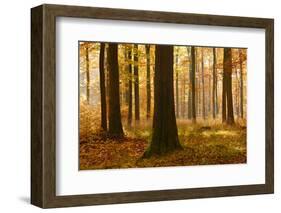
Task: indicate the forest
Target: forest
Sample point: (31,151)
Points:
(150,105)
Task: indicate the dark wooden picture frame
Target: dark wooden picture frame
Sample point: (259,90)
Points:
(43,105)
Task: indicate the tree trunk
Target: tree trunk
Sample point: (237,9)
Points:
(148,89)
(87,74)
(126,80)
(224,82)
(136,83)
(189,103)
(198,83)
(177,87)
(102,89)
(107,79)
(241,84)
(130,85)
(183,98)
(216,86)
(198,96)
(193,91)
(237,91)
(203,84)
(164,133)
(228,73)
(216,93)
(115,124)
(214,83)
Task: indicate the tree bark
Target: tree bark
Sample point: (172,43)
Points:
(102,89)
(136,83)
(228,75)
(164,133)
(193,91)
(148,89)
(115,124)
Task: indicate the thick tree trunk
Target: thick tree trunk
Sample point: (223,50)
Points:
(130,89)
(164,133)
(115,124)
(241,84)
(102,89)
(136,83)
(148,89)
(203,84)
(228,73)
(193,91)
(87,74)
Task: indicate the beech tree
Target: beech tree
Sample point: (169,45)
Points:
(192,80)
(227,109)
(136,83)
(164,133)
(102,88)
(115,124)
(148,89)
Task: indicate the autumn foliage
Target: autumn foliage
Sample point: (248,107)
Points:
(161,105)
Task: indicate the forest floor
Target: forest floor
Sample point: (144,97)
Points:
(202,145)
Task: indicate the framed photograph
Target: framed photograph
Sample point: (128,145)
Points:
(136,106)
